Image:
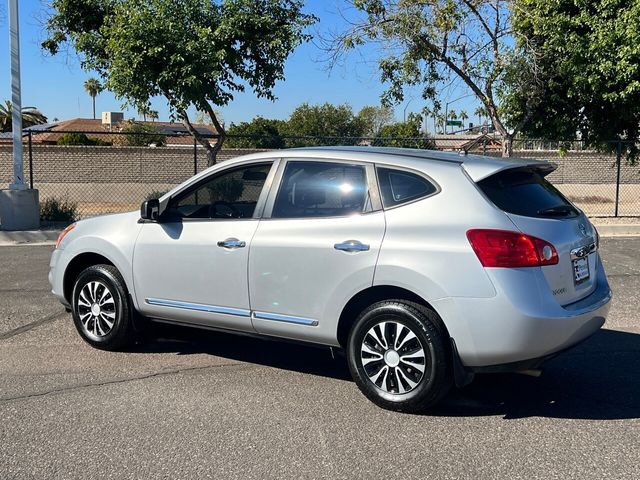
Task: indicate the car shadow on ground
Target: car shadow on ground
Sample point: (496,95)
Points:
(598,380)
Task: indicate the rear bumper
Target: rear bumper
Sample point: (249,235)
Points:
(520,328)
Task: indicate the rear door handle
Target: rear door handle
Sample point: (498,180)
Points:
(351,246)
(232,243)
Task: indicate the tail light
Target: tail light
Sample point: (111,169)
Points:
(64,234)
(503,248)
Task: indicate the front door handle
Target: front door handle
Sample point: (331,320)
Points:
(232,243)
(351,246)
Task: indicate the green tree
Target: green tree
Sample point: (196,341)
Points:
(78,138)
(404,134)
(194,53)
(153,115)
(30,116)
(140,135)
(436,40)
(374,118)
(324,124)
(588,58)
(93,87)
(258,133)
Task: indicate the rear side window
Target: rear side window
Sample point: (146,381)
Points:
(526,192)
(399,186)
(321,189)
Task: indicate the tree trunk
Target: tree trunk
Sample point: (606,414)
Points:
(507,145)
(212,150)
(94,107)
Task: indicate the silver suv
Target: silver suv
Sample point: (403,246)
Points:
(425,267)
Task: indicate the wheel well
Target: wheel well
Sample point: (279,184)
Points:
(368,297)
(77,265)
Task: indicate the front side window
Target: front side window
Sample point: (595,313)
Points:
(321,189)
(399,186)
(229,195)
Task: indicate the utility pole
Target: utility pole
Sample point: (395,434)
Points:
(16,97)
(19,206)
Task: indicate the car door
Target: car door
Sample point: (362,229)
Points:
(315,248)
(191,266)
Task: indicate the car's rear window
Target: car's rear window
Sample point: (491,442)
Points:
(524,191)
(398,186)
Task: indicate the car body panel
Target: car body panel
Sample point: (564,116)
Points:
(112,236)
(180,271)
(295,270)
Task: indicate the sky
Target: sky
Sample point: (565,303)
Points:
(54,85)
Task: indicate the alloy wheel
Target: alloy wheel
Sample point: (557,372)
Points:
(96,309)
(393,357)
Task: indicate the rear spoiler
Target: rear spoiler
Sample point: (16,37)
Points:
(478,168)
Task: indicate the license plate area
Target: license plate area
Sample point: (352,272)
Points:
(580,270)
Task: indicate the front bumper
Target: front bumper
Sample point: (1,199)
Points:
(56,277)
(519,328)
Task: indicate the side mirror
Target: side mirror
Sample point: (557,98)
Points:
(150,209)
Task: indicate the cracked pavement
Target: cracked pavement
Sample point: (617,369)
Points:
(186,403)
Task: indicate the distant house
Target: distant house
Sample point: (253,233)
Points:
(48,134)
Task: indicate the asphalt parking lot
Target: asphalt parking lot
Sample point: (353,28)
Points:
(194,404)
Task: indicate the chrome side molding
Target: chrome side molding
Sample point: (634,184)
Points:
(239,312)
(285,318)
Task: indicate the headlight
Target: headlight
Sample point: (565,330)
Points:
(64,234)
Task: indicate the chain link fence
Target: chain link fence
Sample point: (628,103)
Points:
(115,171)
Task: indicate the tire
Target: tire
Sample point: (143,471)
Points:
(101,310)
(403,388)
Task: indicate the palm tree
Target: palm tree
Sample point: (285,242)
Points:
(145,111)
(153,115)
(30,116)
(481,112)
(93,87)
(463,116)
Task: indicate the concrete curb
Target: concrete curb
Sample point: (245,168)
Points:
(29,237)
(628,230)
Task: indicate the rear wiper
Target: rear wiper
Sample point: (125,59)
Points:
(557,210)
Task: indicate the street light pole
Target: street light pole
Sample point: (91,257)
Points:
(19,206)
(404,111)
(446,109)
(16,100)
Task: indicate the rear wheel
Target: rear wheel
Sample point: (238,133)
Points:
(398,356)
(101,310)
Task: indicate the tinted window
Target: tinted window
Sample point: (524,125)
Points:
(319,189)
(526,192)
(231,194)
(398,186)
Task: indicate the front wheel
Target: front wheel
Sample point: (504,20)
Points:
(398,356)
(101,311)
